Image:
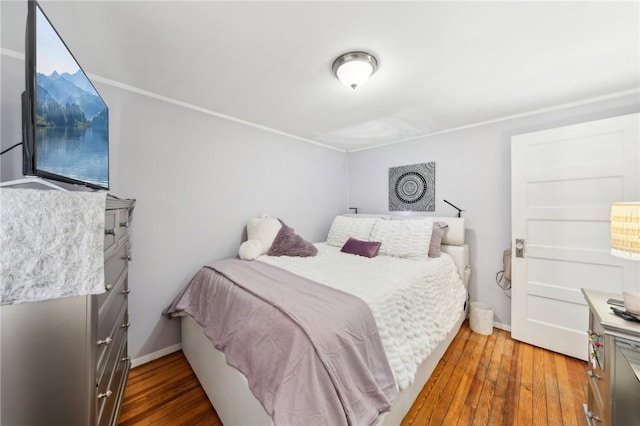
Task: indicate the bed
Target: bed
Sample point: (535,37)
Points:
(417,303)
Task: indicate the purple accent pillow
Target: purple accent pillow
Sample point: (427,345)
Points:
(361,248)
(439,229)
(288,243)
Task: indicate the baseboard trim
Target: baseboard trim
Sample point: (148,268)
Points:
(505,327)
(155,355)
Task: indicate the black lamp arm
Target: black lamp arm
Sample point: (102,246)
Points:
(459,210)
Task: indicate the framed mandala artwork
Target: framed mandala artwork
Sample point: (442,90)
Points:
(413,187)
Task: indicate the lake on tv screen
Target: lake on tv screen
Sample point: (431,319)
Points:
(72,128)
(80,154)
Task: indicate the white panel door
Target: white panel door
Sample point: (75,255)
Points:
(563,182)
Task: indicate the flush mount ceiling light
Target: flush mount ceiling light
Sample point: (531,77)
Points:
(354,68)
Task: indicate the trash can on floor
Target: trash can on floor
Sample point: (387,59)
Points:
(481,318)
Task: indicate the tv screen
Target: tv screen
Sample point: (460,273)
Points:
(65,121)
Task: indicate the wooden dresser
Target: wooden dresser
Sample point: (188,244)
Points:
(65,361)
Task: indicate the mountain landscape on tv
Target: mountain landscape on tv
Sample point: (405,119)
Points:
(72,128)
(68,101)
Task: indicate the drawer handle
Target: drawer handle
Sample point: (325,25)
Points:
(106,394)
(105,341)
(111,231)
(127,257)
(108,287)
(127,291)
(125,359)
(126,325)
(124,224)
(593,417)
(594,376)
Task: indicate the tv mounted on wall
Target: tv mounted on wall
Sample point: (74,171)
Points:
(65,122)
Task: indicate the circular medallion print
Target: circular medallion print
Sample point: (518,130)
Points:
(411,187)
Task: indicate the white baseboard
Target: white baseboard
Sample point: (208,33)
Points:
(155,355)
(505,327)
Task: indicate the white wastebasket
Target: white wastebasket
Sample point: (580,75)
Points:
(481,318)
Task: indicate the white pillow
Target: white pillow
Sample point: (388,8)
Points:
(250,249)
(264,229)
(403,238)
(344,227)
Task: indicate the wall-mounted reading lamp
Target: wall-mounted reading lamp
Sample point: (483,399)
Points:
(459,210)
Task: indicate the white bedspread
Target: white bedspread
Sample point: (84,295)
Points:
(415,302)
(51,244)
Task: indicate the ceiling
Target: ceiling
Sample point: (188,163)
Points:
(442,65)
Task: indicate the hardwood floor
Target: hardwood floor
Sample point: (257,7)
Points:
(481,380)
(494,380)
(166,392)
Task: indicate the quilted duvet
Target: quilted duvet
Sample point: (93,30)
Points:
(415,303)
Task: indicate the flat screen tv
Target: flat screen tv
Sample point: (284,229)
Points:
(65,122)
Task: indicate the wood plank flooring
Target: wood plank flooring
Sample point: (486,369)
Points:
(481,380)
(166,392)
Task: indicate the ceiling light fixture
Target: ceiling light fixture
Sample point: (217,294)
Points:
(354,68)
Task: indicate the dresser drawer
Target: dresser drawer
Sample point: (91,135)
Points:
(109,334)
(106,358)
(597,383)
(110,229)
(110,391)
(115,265)
(108,310)
(116,228)
(597,342)
(115,273)
(596,389)
(123,222)
(594,410)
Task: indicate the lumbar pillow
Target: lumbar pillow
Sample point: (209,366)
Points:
(361,248)
(288,243)
(263,229)
(437,234)
(250,249)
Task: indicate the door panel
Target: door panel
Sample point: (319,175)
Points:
(563,184)
(567,193)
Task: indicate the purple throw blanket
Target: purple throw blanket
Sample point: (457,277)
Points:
(312,354)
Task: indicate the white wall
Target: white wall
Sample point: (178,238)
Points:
(473,171)
(197,180)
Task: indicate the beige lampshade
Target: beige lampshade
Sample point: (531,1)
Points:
(625,230)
